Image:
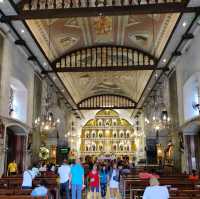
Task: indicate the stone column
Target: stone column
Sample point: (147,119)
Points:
(175,135)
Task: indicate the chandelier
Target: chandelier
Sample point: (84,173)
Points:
(159,119)
(46,121)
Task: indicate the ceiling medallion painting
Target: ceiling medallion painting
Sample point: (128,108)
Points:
(102,28)
(67,41)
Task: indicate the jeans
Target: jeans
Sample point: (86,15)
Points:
(103,190)
(64,188)
(76,191)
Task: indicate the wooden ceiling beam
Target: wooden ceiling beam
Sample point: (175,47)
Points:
(103,69)
(159,8)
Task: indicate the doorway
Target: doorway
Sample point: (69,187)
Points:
(15,145)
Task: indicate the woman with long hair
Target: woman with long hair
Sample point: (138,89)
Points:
(114,181)
(94,180)
(103,181)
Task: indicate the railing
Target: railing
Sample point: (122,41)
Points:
(64,4)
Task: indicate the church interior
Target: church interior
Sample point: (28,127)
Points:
(106,81)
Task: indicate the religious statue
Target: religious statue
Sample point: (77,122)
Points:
(169,154)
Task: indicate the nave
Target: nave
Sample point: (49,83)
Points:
(99,99)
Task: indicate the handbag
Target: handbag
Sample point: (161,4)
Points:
(116,178)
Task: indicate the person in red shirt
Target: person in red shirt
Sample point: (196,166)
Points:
(193,177)
(94,180)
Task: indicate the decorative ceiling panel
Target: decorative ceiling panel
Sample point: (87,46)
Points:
(144,32)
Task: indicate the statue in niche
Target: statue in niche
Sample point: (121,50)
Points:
(100,147)
(181,142)
(93,147)
(169,154)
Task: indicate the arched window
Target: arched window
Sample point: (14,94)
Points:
(18,100)
(191,96)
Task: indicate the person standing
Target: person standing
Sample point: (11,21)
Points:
(103,181)
(28,177)
(12,168)
(64,174)
(94,180)
(114,181)
(77,179)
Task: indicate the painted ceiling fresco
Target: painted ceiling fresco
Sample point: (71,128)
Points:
(145,32)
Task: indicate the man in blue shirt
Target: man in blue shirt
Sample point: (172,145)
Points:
(77,179)
(41,190)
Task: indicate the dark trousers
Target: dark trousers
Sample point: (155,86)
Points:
(103,190)
(64,189)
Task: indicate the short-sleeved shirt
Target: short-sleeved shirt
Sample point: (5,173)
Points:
(39,191)
(27,178)
(77,173)
(94,179)
(12,167)
(64,172)
(156,192)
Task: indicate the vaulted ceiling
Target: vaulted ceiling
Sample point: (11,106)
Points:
(146,32)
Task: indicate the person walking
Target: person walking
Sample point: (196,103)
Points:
(103,181)
(77,179)
(64,174)
(94,180)
(114,181)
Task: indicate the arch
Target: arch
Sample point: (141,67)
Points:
(104,58)
(107,112)
(17,128)
(15,143)
(106,101)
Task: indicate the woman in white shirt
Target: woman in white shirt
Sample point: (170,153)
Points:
(114,181)
(155,191)
(28,177)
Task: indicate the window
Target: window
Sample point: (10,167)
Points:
(18,100)
(191,97)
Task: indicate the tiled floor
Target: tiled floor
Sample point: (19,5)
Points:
(98,196)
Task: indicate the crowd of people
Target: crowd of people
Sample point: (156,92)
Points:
(93,177)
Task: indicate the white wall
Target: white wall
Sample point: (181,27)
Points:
(190,96)
(188,65)
(15,64)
